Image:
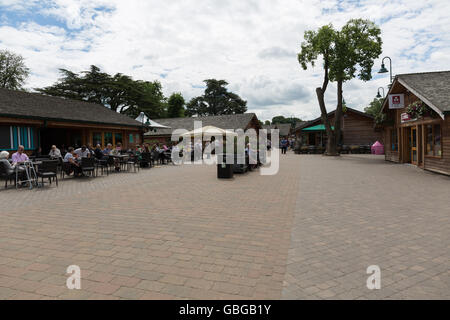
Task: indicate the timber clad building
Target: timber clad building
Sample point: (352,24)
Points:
(420,139)
(32,120)
(357,129)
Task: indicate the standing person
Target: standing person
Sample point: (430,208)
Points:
(284,145)
(20,155)
(54,153)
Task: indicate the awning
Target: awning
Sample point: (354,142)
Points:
(209,130)
(142,118)
(319,127)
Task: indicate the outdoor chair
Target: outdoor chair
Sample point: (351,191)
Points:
(110,163)
(102,164)
(146,160)
(48,169)
(133,162)
(66,169)
(88,165)
(8,177)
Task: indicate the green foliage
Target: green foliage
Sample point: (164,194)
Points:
(347,53)
(267,122)
(374,109)
(119,92)
(216,100)
(417,109)
(13,71)
(175,106)
(282,119)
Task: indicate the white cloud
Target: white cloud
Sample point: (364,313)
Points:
(251,44)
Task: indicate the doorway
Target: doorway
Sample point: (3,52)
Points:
(414,149)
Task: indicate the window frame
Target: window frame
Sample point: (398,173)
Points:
(433,143)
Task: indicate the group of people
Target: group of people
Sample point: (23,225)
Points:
(17,162)
(286,143)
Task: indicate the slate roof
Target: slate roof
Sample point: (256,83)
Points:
(232,121)
(285,128)
(20,104)
(318,120)
(433,86)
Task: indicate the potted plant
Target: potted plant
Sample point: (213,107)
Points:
(417,109)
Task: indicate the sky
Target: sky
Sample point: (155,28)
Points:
(252,44)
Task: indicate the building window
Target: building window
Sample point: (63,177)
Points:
(96,138)
(108,138)
(394,140)
(434,142)
(117,138)
(130,139)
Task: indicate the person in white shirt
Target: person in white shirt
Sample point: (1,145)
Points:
(54,153)
(83,152)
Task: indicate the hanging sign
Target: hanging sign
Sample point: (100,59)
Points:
(396,101)
(404,117)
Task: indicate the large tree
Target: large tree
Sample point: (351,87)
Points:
(120,92)
(374,109)
(175,105)
(13,71)
(282,119)
(346,54)
(216,100)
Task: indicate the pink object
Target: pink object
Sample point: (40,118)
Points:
(377,148)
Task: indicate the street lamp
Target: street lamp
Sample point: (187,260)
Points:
(383,67)
(378,93)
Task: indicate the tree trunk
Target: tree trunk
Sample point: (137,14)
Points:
(333,143)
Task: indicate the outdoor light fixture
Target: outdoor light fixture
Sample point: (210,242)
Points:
(378,93)
(383,67)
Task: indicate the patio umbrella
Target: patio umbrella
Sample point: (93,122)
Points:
(142,118)
(210,130)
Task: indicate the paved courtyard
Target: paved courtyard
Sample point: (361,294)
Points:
(309,232)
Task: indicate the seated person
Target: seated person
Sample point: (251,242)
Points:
(54,153)
(98,152)
(20,156)
(108,149)
(83,152)
(11,168)
(71,165)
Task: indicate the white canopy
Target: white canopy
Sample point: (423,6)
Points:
(209,130)
(142,118)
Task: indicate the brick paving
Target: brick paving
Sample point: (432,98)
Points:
(178,232)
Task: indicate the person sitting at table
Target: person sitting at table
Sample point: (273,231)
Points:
(71,164)
(11,168)
(82,152)
(54,153)
(108,149)
(138,152)
(20,156)
(37,152)
(91,150)
(98,152)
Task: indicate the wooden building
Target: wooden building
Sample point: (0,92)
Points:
(285,130)
(357,130)
(32,120)
(417,124)
(229,122)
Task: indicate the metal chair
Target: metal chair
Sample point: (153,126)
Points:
(7,176)
(88,165)
(48,169)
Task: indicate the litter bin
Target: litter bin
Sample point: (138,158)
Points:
(225,169)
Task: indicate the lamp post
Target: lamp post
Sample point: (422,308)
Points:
(384,70)
(378,92)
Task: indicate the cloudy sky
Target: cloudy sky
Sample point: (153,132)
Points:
(253,44)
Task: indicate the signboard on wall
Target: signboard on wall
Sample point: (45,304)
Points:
(396,101)
(404,117)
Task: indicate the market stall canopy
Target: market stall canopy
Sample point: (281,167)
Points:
(319,127)
(210,130)
(142,118)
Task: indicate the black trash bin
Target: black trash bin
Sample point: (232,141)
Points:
(225,169)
